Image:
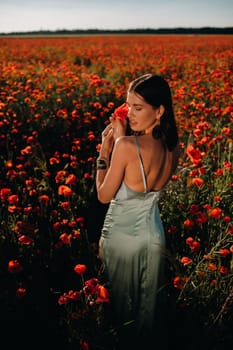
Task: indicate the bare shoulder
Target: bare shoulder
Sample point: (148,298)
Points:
(123,149)
(124,142)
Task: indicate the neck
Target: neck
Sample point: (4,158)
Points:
(138,133)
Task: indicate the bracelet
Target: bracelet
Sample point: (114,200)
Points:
(101,164)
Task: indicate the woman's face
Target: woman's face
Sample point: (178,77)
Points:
(141,115)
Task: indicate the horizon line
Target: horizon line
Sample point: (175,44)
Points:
(203,28)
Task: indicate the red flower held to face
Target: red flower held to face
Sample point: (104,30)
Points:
(121,112)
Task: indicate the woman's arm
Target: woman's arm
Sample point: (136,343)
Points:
(109,180)
(110,173)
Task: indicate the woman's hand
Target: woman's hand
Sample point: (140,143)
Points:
(118,126)
(107,142)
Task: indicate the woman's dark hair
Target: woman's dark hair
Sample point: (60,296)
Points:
(155,91)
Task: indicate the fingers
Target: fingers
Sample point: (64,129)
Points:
(119,126)
(115,121)
(108,127)
(114,129)
(107,130)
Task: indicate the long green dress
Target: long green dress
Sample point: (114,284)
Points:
(131,246)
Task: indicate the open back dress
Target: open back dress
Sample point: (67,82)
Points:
(131,248)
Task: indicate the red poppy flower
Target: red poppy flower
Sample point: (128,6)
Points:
(213,282)
(179,282)
(226,219)
(121,112)
(84,345)
(65,238)
(188,223)
(14,266)
(63,300)
(80,269)
(103,295)
(215,213)
(224,270)
(185,260)
(26,240)
(73,295)
(26,150)
(21,292)
(230,230)
(4,194)
(91,286)
(201,218)
(71,179)
(44,199)
(212,267)
(194,154)
(195,246)
(224,251)
(194,208)
(65,191)
(197,181)
(13,199)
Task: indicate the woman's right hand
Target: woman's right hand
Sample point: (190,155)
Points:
(116,128)
(118,125)
(107,141)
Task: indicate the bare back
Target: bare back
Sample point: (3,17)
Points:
(158,164)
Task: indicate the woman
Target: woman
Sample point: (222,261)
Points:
(131,172)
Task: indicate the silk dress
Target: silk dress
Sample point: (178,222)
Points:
(131,248)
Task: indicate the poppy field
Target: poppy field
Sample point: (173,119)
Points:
(56,95)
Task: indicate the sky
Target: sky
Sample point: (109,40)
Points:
(35,15)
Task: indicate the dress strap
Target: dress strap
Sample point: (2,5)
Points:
(141,163)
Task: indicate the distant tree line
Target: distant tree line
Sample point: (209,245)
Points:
(203,30)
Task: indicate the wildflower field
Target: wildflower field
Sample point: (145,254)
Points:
(56,94)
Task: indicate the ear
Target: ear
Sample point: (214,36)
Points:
(160,111)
